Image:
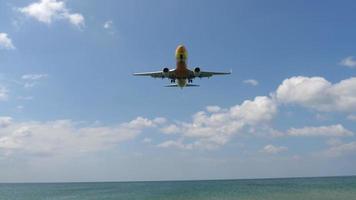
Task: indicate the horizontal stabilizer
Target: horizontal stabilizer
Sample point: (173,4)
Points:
(188,85)
(191,85)
(171,85)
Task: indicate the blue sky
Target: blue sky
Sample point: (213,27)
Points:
(70,110)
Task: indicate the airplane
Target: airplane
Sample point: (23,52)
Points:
(181,73)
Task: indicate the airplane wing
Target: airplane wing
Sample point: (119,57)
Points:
(157,74)
(210,74)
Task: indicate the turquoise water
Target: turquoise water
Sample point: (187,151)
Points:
(335,188)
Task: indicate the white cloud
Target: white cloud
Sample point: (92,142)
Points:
(175,144)
(349,62)
(109,27)
(333,142)
(159,120)
(318,93)
(32,79)
(351,117)
(147,140)
(3,93)
(328,131)
(108,24)
(271,149)
(5,42)
(76,19)
(65,137)
(170,129)
(259,110)
(44,10)
(341,149)
(34,76)
(252,82)
(29,85)
(20,107)
(213,109)
(26,98)
(216,126)
(170,143)
(213,129)
(5,121)
(322,117)
(47,11)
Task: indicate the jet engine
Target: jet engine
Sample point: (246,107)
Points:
(196,71)
(165,72)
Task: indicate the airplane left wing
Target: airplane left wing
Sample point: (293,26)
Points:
(203,74)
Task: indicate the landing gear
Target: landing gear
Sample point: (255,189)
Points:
(173,80)
(190,81)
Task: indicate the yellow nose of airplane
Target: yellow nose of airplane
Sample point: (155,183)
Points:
(180,49)
(181,53)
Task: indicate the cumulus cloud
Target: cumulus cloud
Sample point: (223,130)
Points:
(328,131)
(318,93)
(213,129)
(66,137)
(271,149)
(47,11)
(252,82)
(6,42)
(349,62)
(5,121)
(261,109)
(216,126)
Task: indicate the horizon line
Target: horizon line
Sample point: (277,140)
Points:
(179,180)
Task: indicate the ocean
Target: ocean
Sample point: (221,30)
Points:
(329,188)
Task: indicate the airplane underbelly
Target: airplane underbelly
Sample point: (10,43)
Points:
(182,82)
(182,73)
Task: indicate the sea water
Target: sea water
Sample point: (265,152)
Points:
(331,188)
